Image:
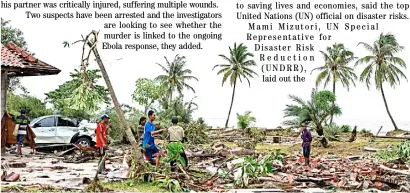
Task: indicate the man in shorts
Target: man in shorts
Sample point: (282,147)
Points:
(148,144)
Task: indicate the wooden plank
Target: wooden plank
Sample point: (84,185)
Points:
(379,130)
(395,170)
(392,137)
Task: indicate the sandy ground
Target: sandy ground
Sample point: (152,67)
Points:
(51,170)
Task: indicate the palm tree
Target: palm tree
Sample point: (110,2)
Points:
(176,75)
(383,65)
(315,111)
(245,120)
(336,68)
(238,67)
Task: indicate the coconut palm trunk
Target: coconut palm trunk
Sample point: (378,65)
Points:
(230,108)
(333,103)
(387,108)
(321,134)
(140,166)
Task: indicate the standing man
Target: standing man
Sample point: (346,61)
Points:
(307,139)
(22,121)
(176,134)
(101,139)
(148,143)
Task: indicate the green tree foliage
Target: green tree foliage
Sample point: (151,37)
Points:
(252,168)
(383,66)
(195,133)
(246,120)
(174,153)
(13,35)
(116,132)
(239,66)
(10,34)
(69,102)
(201,121)
(333,132)
(183,110)
(400,153)
(36,107)
(315,112)
(176,76)
(336,68)
(148,92)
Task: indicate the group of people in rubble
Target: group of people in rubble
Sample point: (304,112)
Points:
(149,148)
(150,130)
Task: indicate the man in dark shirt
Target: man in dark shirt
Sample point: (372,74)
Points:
(307,139)
(23,121)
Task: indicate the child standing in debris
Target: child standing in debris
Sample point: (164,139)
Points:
(176,134)
(101,139)
(307,139)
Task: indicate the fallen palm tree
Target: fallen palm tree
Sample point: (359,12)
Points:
(84,94)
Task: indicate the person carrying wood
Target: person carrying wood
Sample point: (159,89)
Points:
(176,134)
(101,140)
(307,139)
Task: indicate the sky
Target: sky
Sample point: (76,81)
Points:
(361,106)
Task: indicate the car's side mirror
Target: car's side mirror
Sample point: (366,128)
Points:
(36,125)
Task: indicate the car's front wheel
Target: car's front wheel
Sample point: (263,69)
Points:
(84,142)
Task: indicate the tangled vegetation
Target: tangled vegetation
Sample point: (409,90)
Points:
(398,154)
(256,136)
(195,132)
(246,144)
(170,184)
(346,128)
(251,168)
(333,132)
(174,153)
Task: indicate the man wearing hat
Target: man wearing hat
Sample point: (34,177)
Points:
(101,139)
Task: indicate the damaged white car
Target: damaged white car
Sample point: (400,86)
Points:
(55,130)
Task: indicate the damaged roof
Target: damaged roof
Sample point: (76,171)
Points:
(21,63)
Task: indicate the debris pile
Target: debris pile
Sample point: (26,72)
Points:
(78,154)
(227,135)
(252,135)
(217,167)
(226,168)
